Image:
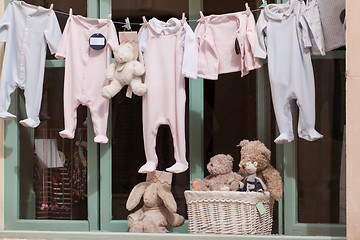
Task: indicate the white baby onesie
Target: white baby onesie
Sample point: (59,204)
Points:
(26,29)
(286,33)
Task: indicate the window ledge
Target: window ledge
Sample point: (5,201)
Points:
(141,236)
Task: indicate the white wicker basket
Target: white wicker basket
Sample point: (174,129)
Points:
(227,212)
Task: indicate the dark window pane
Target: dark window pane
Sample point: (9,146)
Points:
(320,162)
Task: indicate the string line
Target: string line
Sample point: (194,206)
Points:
(123,23)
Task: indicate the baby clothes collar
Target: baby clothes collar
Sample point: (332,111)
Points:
(90,22)
(279,12)
(28,9)
(164,28)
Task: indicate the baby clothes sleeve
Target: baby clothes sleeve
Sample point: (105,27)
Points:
(250,62)
(208,59)
(62,48)
(190,60)
(331,13)
(261,27)
(112,37)
(311,16)
(5,23)
(53,33)
(142,39)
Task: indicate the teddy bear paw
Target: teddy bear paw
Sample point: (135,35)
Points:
(106,92)
(140,91)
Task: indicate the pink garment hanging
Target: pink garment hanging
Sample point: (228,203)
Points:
(216,35)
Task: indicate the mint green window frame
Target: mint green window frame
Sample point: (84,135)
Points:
(287,157)
(11,154)
(99,201)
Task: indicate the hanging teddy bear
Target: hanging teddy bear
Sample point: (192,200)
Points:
(124,71)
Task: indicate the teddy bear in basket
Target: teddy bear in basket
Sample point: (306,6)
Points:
(221,178)
(259,174)
(124,71)
(159,209)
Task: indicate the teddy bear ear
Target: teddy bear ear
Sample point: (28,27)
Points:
(229,157)
(267,153)
(243,143)
(135,195)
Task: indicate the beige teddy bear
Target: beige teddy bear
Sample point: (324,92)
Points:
(124,71)
(221,177)
(159,209)
(255,164)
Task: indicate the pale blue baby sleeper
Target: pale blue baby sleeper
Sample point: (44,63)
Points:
(26,29)
(287,34)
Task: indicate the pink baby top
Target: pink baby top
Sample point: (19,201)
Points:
(216,35)
(85,72)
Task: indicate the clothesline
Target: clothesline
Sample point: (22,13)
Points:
(123,23)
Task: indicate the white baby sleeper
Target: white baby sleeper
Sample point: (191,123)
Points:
(169,52)
(26,29)
(287,34)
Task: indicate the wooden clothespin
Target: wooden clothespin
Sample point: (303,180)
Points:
(246,6)
(202,17)
(108,19)
(127,24)
(264,4)
(70,12)
(183,15)
(51,8)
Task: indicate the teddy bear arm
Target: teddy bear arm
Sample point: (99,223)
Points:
(173,219)
(134,221)
(112,89)
(274,183)
(138,87)
(199,184)
(138,68)
(195,184)
(219,183)
(110,71)
(234,185)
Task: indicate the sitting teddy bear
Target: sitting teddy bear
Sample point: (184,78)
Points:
(259,174)
(221,177)
(159,208)
(124,71)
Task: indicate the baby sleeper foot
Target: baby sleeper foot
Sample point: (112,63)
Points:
(148,167)
(66,134)
(177,168)
(284,138)
(30,123)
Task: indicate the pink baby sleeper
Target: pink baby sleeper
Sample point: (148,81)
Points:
(216,36)
(85,72)
(169,52)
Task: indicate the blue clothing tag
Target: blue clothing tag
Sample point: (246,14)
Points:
(97,41)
